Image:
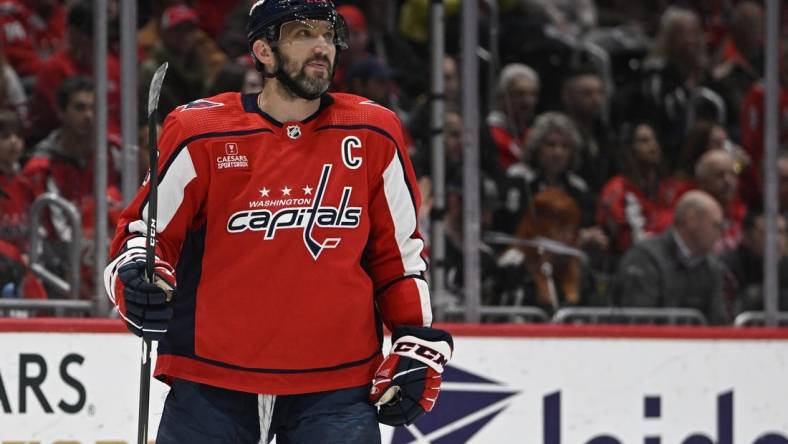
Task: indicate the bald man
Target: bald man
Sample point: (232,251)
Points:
(715,173)
(676,268)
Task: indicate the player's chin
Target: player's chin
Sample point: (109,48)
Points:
(316,87)
(320,83)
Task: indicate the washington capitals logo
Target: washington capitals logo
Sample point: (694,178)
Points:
(466,404)
(200,104)
(305,217)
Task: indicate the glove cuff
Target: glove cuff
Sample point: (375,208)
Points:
(430,346)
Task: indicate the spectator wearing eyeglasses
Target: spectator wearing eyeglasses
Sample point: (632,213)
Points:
(678,268)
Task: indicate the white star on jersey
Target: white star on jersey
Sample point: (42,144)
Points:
(264,192)
(286,191)
(307,189)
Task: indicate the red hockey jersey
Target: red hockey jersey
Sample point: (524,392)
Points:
(16,195)
(510,147)
(16,38)
(629,214)
(51,74)
(290,240)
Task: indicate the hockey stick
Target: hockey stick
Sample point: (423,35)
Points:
(150,245)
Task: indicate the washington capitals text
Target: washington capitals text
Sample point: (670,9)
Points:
(305,217)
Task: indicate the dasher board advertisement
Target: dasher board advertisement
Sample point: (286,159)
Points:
(530,384)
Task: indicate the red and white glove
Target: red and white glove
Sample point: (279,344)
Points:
(407,383)
(143,305)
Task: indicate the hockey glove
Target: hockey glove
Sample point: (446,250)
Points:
(145,306)
(407,383)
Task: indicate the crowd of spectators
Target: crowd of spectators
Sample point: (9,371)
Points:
(627,134)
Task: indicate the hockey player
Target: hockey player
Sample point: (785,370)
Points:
(289,220)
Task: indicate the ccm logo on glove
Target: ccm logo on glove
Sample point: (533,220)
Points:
(407,348)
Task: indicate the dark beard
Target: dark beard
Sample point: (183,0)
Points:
(310,85)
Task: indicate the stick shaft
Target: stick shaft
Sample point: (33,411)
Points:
(142,422)
(150,259)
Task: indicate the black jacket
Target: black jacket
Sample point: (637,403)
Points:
(654,273)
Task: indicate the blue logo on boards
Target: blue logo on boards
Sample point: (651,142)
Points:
(467,402)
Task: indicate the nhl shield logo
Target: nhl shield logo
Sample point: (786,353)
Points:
(231,148)
(294,131)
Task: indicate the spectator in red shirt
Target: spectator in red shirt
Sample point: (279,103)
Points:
(47,25)
(12,93)
(518,91)
(15,199)
(75,58)
(638,202)
(17,38)
(63,163)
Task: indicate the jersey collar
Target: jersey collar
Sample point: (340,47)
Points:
(249,102)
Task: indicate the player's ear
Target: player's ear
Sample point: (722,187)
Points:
(262,52)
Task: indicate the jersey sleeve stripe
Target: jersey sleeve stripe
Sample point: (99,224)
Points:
(383,133)
(171,189)
(424,299)
(403,215)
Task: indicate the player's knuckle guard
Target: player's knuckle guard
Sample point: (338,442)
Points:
(408,381)
(144,304)
(430,346)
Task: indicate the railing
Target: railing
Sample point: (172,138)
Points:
(758,319)
(22,308)
(514,313)
(597,315)
(629,315)
(539,242)
(69,288)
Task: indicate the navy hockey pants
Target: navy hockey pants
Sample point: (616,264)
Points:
(202,414)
